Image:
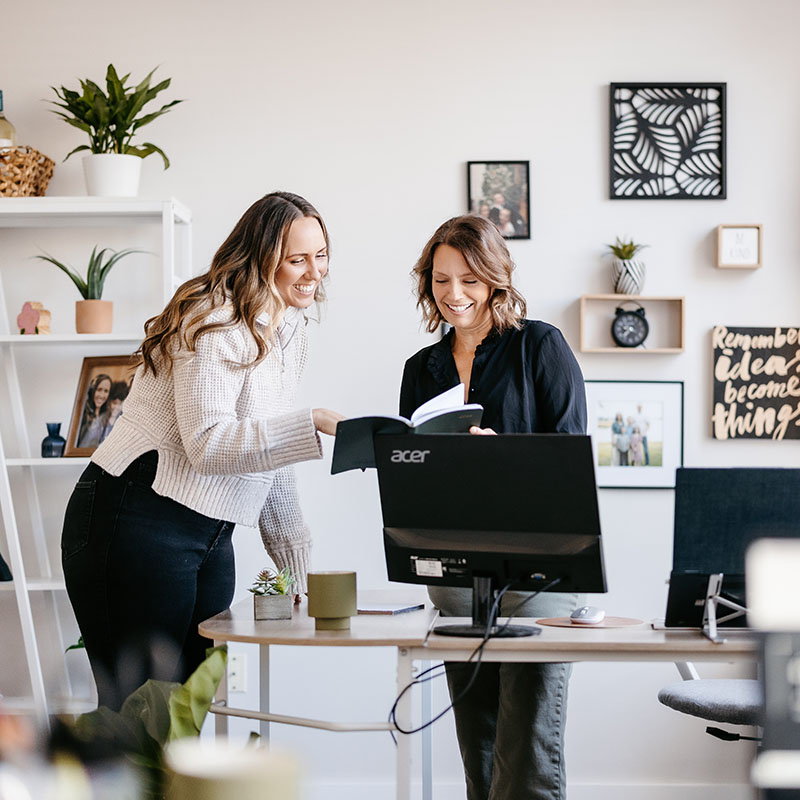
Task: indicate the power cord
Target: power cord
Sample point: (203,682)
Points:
(729,736)
(436,670)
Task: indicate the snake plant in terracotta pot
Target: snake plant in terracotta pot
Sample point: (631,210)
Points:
(93,314)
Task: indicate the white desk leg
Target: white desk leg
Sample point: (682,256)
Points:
(221,696)
(403,716)
(427,736)
(263,689)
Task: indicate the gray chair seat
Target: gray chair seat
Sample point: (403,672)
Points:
(735,701)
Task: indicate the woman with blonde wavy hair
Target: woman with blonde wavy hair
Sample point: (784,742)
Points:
(510,720)
(207,441)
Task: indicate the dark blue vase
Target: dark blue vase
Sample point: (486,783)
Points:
(53,444)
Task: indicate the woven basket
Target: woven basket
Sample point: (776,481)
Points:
(24,172)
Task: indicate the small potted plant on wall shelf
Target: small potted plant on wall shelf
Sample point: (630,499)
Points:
(111,119)
(271,594)
(628,271)
(92,314)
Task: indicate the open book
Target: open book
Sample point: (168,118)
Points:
(445,413)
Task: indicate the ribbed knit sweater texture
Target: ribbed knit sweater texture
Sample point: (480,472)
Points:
(226,435)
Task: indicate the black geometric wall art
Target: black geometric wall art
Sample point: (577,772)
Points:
(667,141)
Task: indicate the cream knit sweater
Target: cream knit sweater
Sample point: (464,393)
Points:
(226,435)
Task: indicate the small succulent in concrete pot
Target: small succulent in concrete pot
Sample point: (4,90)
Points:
(272,597)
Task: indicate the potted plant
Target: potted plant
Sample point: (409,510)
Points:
(153,716)
(93,315)
(271,594)
(111,120)
(627,271)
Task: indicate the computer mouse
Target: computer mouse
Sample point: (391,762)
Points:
(587,615)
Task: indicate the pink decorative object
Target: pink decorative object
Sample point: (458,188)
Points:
(33,319)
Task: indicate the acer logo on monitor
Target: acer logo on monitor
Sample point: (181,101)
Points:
(409,456)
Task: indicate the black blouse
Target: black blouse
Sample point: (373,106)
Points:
(527,380)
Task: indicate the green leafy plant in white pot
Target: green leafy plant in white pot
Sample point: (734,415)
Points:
(93,314)
(272,598)
(111,119)
(627,271)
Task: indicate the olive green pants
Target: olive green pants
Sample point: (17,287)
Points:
(510,725)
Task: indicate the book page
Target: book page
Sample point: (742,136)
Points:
(446,401)
(456,420)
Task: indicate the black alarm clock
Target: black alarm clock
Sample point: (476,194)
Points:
(629,328)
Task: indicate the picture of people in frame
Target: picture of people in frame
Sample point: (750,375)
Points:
(629,433)
(104,384)
(498,190)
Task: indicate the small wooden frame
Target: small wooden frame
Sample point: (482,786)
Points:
(107,380)
(739,246)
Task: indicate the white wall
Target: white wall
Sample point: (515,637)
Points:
(371,110)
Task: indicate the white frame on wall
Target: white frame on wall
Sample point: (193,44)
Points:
(739,246)
(662,402)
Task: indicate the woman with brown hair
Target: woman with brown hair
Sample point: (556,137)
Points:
(93,411)
(207,441)
(510,723)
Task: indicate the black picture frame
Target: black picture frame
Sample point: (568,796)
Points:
(511,179)
(667,141)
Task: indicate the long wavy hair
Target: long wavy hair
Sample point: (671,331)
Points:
(486,254)
(242,274)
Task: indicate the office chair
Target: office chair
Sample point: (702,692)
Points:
(718,513)
(733,701)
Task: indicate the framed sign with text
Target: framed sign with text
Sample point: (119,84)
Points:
(756,383)
(739,246)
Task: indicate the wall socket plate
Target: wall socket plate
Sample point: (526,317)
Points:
(237,672)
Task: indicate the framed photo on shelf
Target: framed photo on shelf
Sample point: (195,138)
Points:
(667,141)
(739,246)
(103,385)
(637,432)
(500,191)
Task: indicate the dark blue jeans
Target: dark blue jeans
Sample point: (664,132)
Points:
(141,572)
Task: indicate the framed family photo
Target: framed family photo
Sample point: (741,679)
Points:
(500,191)
(103,385)
(637,432)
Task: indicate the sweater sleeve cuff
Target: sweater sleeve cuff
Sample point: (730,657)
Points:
(292,438)
(298,560)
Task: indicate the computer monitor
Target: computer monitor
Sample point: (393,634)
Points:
(486,511)
(718,512)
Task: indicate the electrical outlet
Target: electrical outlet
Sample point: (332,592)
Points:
(237,673)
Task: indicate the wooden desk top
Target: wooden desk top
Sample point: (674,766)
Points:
(410,630)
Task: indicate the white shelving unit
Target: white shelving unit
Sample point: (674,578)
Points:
(68,213)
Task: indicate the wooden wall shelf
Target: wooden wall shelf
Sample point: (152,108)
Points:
(665,316)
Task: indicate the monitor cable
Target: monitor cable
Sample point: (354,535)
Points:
(437,669)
